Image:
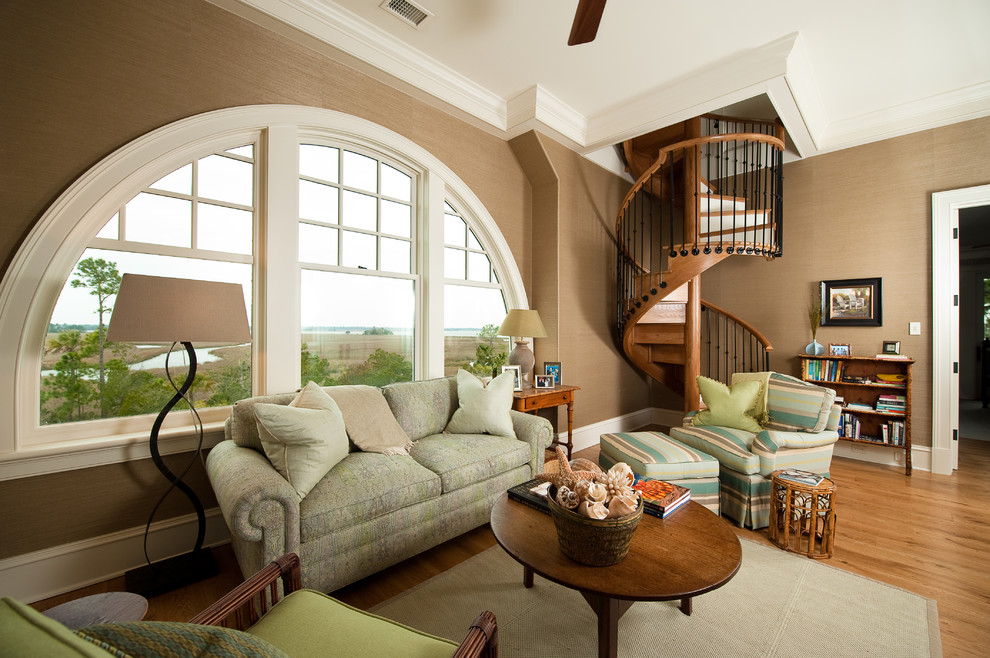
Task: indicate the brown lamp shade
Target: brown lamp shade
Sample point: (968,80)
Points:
(523,322)
(155,309)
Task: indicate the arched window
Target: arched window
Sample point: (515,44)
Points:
(334,226)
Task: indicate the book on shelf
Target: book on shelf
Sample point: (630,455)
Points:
(894,357)
(801,477)
(661,498)
(532,493)
(858,406)
(855,379)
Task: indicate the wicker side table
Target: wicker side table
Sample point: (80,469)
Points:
(802,516)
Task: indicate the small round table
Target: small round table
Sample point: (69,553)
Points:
(802,516)
(99,609)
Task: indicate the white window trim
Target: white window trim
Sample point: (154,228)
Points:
(39,269)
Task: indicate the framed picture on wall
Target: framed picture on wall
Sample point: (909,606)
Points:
(552,368)
(852,303)
(517,383)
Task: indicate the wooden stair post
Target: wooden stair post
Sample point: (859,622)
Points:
(692,346)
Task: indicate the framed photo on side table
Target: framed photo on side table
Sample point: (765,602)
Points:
(544,381)
(852,303)
(553,368)
(517,383)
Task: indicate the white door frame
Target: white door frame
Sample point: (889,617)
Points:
(945,321)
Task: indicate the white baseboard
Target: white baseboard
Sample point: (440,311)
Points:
(35,576)
(587,436)
(921,456)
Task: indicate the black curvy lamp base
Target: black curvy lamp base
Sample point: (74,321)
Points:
(172,573)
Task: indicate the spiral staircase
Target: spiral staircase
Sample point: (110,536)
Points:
(706,189)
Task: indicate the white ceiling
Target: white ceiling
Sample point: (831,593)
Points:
(838,74)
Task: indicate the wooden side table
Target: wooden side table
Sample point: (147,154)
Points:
(99,609)
(802,516)
(530,400)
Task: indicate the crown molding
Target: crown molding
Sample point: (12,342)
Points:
(780,69)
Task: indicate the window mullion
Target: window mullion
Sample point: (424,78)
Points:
(431,276)
(278,336)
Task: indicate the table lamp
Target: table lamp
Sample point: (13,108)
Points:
(522,323)
(153,309)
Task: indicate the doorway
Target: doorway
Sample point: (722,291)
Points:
(946,207)
(974,323)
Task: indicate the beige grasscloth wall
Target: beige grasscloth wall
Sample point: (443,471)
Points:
(861,212)
(80,80)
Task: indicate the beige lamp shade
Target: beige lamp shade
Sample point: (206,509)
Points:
(155,309)
(522,322)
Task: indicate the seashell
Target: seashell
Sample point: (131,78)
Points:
(582,464)
(621,506)
(566,498)
(592,510)
(596,493)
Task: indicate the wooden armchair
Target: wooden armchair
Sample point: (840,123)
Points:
(257,604)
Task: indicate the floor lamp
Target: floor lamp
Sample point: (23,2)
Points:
(153,309)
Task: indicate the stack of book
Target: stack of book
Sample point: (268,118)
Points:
(661,499)
(849,426)
(858,406)
(893,433)
(892,404)
(855,379)
(801,477)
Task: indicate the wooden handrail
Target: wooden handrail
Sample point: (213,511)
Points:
(763,340)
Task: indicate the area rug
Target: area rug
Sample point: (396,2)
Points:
(778,604)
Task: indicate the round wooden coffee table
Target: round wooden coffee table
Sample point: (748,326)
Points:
(689,553)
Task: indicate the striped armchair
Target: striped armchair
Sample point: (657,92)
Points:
(800,432)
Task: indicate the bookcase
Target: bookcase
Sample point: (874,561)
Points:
(875,394)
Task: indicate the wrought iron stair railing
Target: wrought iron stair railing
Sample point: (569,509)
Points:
(717,193)
(730,345)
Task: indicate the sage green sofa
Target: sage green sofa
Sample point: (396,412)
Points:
(370,511)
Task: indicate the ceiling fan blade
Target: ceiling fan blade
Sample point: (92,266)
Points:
(586,20)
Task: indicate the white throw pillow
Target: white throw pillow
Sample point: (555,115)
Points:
(483,409)
(304,440)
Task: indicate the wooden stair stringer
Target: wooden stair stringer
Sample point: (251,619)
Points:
(662,343)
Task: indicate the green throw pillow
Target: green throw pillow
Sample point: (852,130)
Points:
(304,440)
(168,638)
(727,407)
(759,410)
(483,409)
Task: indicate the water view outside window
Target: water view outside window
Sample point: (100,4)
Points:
(196,222)
(474,305)
(358,297)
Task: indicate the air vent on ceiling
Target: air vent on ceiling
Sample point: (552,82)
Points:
(406,11)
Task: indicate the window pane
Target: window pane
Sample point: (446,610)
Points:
(473,241)
(179,181)
(246,151)
(132,380)
(226,179)
(396,184)
(358,250)
(453,230)
(453,263)
(111,230)
(319,162)
(396,219)
(317,244)
(159,219)
(360,211)
(360,172)
(479,268)
(466,311)
(348,339)
(317,202)
(396,256)
(223,229)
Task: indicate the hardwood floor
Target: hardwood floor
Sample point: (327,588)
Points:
(925,533)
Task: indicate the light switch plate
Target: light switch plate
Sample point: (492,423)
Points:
(914,328)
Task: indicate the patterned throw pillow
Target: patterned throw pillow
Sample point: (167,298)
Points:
(178,639)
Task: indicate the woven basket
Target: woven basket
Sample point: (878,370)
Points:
(597,543)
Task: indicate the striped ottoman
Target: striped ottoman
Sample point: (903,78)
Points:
(656,456)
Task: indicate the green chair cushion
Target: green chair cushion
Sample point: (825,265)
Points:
(26,632)
(797,406)
(730,446)
(308,623)
(656,455)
